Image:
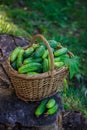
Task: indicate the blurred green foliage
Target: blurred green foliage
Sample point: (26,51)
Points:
(61,20)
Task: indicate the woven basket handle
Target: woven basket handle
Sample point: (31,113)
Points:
(48,47)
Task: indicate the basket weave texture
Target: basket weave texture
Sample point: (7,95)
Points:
(39,86)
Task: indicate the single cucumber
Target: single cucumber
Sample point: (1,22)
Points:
(39,52)
(14,54)
(14,65)
(58,64)
(52,110)
(29,67)
(45,54)
(28,60)
(20,58)
(31,60)
(41,108)
(32,73)
(35,46)
(60,52)
(50,103)
(45,65)
(28,52)
(57,59)
(53,43)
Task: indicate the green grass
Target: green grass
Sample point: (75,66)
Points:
(62,20)
(75,99)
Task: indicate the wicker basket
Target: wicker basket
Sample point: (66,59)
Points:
(37,87)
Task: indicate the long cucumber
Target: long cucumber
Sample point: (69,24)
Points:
(29,67)
(60,52)
(20,58)
(14,54)
(41,108)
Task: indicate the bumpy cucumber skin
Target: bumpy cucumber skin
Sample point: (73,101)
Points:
(39,52)
(14,54)
(31,60)
(32,73)
(29,67)
(20,58)
(52,110)
(50,103)
(14,66)
(60,52)
(45,65)
(58,64)
(28,52)
(53,43)
(41,108)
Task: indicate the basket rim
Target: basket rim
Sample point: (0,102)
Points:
(37,76)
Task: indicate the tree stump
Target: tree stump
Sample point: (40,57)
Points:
(15,114)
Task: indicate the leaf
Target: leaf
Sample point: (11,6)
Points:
(72,64)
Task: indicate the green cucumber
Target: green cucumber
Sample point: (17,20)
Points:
(53,43)
(45,54)
(29,67)
(28,52)
(58,64)
(32,73)
(14,65)
(41,108)
(50,103)
(20,58)
(35,46)
(60,52)
(57,59)
(39,52)
(52,110)
(30,60)
(14,54)
(45,65)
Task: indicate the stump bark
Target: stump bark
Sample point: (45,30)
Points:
(14,113)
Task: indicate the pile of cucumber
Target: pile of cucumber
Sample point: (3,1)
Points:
(46,107)
(35,59)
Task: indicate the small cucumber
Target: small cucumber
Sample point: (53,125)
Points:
(39,52)
(35,46)
(14,54)
(58,64)
(53,43)
(45,54)
(45,65)
(50,103)
(29,67)
(52,110)
(32,73)
(57,59)
(28,52)
(31,60)
(60,52)
(20,58)
(41,108)
(14,65)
